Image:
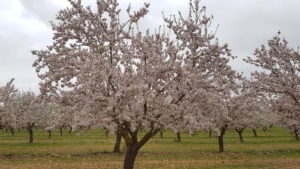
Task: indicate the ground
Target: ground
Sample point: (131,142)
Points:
(274,148)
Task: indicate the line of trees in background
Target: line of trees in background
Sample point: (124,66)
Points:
(102,71)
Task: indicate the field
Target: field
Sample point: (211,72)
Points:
(274,148)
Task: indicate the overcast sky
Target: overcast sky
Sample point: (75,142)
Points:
(243,24)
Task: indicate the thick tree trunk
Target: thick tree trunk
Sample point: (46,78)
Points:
(178,137)
(133,145)
(70,130)
(240,132)
(220,140)
(49,134)
(209,133)
(296,134)
(12,131)
(130,156)
(161,134)
(118,143)
(61,131)
(254,132)
(30,131)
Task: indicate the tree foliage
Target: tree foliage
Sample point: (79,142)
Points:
(280,79)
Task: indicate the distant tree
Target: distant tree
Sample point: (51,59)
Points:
(7,116)
(240,113)
(280,78)
(29,112)
(264,116)
(247,109)
(48,119)
(208,112)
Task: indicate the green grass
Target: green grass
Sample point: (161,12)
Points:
(274,148)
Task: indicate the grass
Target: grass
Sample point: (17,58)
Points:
(274,148)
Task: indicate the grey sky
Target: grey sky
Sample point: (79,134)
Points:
(243,24)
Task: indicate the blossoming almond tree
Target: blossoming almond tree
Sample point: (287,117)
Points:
(29,112)
(205,76)
(245,107)
(48,119)
(281,65)
(87,45)
(118,77)
(84,58)
(7,116)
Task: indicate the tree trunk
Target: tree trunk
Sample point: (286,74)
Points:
(133,145)
(61,131)
(70,130)
(12,131)
(220,140)
(130,156)
(209,133)
(264,129)
(296,134)
(118,143)
(49,134)
(30,131)
(254,132)
(106,133)
(161,134)
(221,143)
(178,137)
(240,132)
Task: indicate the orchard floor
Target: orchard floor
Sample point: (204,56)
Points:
(274,148)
